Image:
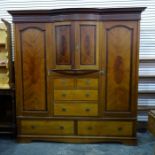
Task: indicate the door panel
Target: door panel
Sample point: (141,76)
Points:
(62,42)
(119,51)
(87,45)
(32,52)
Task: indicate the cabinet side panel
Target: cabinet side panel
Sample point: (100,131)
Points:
(119,57)
(32,40)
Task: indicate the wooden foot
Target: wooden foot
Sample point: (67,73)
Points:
(24,140)
(129,142)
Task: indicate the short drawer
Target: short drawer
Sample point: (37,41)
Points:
(87,83)
(63,83)
(80,109)
(105,128)
(46,127)
(75,95)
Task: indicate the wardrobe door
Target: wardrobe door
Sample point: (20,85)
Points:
(30,69)
(87,45)
(62,46)
(121,68)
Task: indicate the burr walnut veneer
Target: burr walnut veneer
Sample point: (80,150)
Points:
(77,74)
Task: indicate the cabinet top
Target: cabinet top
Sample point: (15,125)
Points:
(132,13)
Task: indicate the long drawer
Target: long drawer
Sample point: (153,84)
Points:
(46,127)
(80,109)
(75,95)
(105,128)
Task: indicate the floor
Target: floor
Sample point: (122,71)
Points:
(146,146)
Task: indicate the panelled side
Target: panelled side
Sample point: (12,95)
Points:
(30,68)
(120,67)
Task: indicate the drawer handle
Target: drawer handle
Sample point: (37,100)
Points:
(120,129)
(33,126)
(87,109)
(63,94)
(87,94)
(102,72)
(64,109)
(61,128)
(89,128)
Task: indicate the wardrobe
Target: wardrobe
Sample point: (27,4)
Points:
(76,74)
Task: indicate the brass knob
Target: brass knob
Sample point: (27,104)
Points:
(33,126)
(64,109)
(61,128)
(102,72)
(87,109)
(120,129)
(89,128)
(87,94)
(63,94)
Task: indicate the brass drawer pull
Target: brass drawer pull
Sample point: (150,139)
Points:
(63,94)
(89,128)
(64,109)
(33,126)
(87,94)
(102,72)
(120,129)
(61,127)
(87,109)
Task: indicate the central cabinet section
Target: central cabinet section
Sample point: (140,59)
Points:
(73,68)
(79,100)
(74,46)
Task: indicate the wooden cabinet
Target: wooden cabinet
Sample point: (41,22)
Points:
(77,74)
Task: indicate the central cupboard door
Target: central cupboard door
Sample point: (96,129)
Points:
(75,46)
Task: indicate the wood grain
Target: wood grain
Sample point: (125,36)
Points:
(119,55)
(73,109)
(105,128)
(75,95)
(51,127)
(33,69)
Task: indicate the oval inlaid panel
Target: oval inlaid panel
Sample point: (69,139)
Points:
(118,69)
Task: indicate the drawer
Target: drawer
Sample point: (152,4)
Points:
(105,128)
(87,83)
(63,83)
(75,95)
(46,127)
(82,109)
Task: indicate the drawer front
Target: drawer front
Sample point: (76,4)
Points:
(47,127)
(63,83)
(82,109)
(105,128)
(75,95)
(87,83)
